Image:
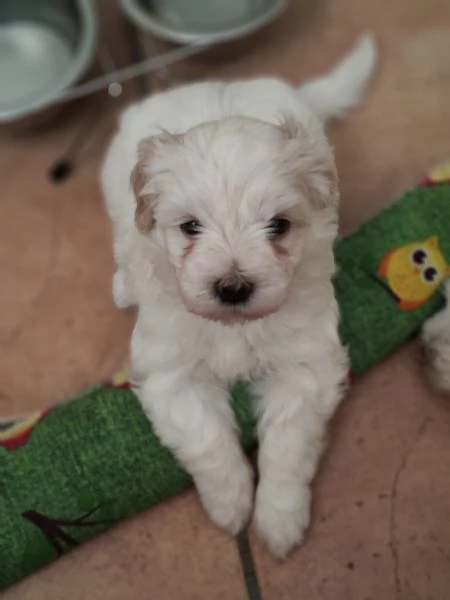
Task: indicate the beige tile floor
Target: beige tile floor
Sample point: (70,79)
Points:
(381,526)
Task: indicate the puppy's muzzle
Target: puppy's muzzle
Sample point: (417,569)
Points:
(233,293)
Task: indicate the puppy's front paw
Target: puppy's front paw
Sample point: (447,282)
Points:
(282,515)
(228,501)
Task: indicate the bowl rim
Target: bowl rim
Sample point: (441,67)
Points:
(78,66)
(144,21)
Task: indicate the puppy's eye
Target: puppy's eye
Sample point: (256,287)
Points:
(278,227)
(191,228)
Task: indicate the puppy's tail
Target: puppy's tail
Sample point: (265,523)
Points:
(332,95)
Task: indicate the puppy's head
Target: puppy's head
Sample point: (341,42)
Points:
(237,205)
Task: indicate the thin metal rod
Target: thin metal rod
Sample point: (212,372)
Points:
(150,49)
(138,54)
(107,63)
(146,66)
(63,167)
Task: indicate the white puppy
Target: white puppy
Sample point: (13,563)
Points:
(224,241)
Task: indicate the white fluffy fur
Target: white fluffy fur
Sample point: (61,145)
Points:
(233,156)
(335,93)
(436,341)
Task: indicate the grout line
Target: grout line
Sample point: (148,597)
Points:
(248,567)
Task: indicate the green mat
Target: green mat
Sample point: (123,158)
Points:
(71,472)
(373,324)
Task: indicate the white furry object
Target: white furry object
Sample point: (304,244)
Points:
(224,241)
(436,342)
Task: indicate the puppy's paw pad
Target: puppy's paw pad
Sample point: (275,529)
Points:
(281,518)
(230,503)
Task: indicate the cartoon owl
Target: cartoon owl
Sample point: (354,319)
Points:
(414,272)
(441,174)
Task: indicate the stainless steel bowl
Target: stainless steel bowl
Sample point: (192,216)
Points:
(188,21)
(45,47)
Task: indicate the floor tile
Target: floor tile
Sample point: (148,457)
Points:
(381,514)
(171,552)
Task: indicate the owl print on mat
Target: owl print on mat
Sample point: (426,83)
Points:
(414,272)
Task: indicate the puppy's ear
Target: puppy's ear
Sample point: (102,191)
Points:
(140,180)
(313,162)
(143,215)
(291,128)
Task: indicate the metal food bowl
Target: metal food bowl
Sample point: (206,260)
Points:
(188,21)
(45,47)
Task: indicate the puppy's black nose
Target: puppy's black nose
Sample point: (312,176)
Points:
(235,293)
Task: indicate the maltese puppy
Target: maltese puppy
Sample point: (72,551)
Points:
(224,242)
